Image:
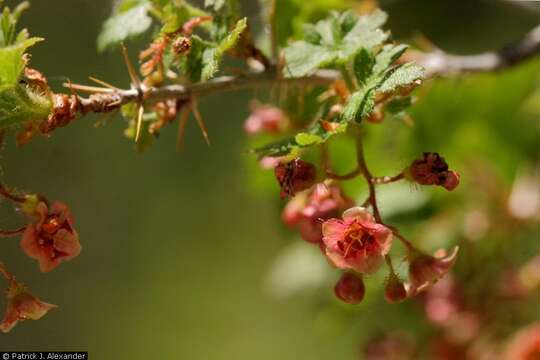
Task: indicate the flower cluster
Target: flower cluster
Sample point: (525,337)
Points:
(49,238)
(352,238)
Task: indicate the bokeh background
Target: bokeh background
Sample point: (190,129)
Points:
(184,255)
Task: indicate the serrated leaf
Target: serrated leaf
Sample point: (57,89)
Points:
(334,40)
(19,104)
(124,25)
(387,56)
(216,4)
(12,62)
(359,105)
(398,104)
(303,58)
(364,63)
(400,76)
(212,56)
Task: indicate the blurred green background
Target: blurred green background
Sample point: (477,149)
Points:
(177,247)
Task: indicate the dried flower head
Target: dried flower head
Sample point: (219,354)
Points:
(295,176)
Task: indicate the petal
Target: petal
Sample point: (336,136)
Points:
(368,263)
(29,243)
(337,260)
(358,213)
(384,236)
(333,231)
(33,309)
(10,319)
(68,243)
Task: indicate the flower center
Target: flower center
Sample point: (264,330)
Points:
(356,239)
(51,225)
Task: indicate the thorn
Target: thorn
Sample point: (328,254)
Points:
(200,121)
(88,89)
(139,119)
(184,117)
(103,83)
(131,69)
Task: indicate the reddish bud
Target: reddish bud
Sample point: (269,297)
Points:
(425,270)
(295,176)
(265,119)
(432,169)
(181,45)
(350,288)
(395,290)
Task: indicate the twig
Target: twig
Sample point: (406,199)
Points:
(387,179)
(11,233)
(439,63)
(369,178)
(436,63)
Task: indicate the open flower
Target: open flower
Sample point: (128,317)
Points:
(22,306)
(306,212)
(357,242)
(51,239)
(425,270)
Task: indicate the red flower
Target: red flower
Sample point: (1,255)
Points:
(350,288)
(265,119)
(51,239)
(22,306)
(306,212)
(432,169)
(357,242)
(295,176)
(425,270)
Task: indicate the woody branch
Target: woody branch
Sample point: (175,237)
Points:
(436,63)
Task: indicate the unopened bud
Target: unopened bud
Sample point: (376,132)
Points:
(350,288)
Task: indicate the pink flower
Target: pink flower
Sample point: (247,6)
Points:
(51,238)
(357,242)
(306,212)
(265,119)
(525,344)
(22,306)
(350,288)
(425,270)
(295,176)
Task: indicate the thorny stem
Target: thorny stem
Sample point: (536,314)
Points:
(436,63)
(5,193)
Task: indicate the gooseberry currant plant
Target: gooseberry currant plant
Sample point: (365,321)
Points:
(343,75)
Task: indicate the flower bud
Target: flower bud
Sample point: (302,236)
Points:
(265,119)
(425,270)
(350,288)
(295,176)
(395,290)
(22,306)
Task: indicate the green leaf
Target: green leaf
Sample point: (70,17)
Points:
(307,139)
(20,104)
(8,24)
(359,105)
(212,56)
(401,76)
(303,58)
(335,40)
(215,4)
(363,66)
(124,25)
(12,63)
